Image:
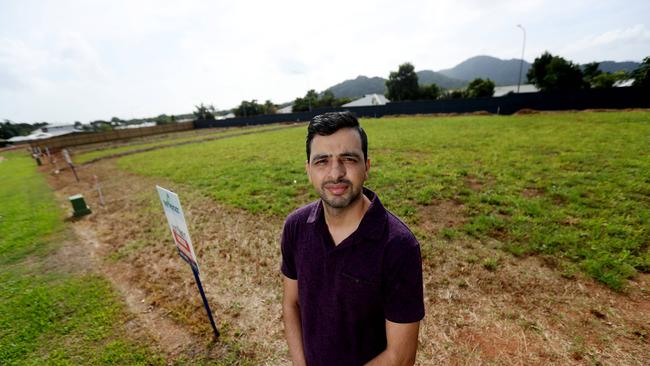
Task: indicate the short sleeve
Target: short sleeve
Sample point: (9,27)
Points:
(403,294)
(287,245)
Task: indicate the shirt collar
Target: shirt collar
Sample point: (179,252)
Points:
(373,221)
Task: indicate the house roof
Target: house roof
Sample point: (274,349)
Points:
(287,109)
(523,88)
(46,132)
(368,100)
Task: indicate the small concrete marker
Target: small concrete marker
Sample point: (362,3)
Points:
(79,205)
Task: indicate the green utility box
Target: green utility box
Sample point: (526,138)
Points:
(79,205)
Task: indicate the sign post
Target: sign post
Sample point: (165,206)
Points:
(66,155)
(180,234)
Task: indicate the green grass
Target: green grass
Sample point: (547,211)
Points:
(27,213)
(572,185)
(48,316)
(91,155)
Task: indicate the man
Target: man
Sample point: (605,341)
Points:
(352,270)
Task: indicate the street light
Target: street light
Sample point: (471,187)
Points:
(521,64)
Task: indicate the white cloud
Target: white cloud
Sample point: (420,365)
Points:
(631,43)
(81,60)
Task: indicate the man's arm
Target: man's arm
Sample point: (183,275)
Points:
(402,344)
(292,322)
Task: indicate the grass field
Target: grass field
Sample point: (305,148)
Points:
(49,315)
(572,186)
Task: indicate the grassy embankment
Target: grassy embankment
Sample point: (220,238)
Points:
(50,315)
(170,141)
(572,186)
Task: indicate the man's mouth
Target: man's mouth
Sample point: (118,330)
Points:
(337,189)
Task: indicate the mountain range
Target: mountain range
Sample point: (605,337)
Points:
(502,72)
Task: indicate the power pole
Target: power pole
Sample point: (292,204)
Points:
(521,64)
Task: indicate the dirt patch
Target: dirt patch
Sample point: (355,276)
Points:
(238,257)
(440,215)
(525,111)
(170,336)
(532,192)
(473,183)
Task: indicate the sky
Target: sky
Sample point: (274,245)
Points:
(73,60)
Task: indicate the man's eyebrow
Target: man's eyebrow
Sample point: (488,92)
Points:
(346,154)
(320,156)
(351,154)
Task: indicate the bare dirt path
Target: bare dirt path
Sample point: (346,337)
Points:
(483,305)
(238,262)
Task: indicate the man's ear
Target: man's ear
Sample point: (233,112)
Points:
(307,170)
(367,167)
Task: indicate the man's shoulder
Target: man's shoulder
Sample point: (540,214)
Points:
(300,215)
(399,234)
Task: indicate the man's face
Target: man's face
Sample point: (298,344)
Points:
(336,167)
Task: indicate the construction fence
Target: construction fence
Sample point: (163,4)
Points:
(611,98)
(55,144)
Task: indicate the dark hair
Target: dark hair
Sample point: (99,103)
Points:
(328,123)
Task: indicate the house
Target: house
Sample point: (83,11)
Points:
(46,133)
(500,91)
(140,125)
(284,110)
(226,116)
(624,83)
(368,100)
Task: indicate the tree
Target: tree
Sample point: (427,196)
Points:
(327,99)
(252,108)
(307,103)
(203,113)
(163,119)
(553,73)
(454,94)
(590,71)
(431,91)
(116,122)
(101,126)
(607,80)
(269,107)
(642,75)
(480,88)
(403,83)
(313,100)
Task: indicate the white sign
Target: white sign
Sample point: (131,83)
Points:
(66,156)
(176,219)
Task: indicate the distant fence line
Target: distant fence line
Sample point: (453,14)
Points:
(56,143)
(612,98)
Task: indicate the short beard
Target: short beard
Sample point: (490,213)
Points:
(346,201)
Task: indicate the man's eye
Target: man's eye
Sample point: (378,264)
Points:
(319,162)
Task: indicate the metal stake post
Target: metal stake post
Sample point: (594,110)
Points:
(74,172)
(99,190)
(205,301)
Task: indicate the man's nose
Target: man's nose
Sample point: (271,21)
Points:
(338,169)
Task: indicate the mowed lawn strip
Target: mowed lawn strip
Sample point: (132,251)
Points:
(46,316)
(91,155)
(575,186)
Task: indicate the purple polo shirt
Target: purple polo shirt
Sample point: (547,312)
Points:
(347,291)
